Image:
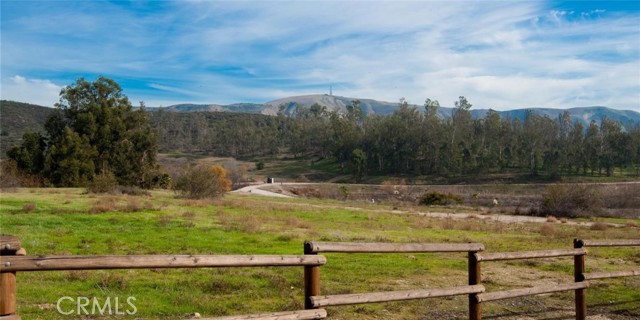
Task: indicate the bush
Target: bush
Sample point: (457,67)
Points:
(105,182)
(203,181)
(571,201)
(439,199)
(163,181)
(260,165)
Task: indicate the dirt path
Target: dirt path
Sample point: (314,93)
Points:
(255,189)
(504,218)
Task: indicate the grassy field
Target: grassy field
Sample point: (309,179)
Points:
(68,221)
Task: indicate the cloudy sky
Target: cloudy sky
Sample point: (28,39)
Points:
(499,54)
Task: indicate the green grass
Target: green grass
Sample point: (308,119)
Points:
(67,221)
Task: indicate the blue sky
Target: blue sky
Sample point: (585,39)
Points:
(499,54)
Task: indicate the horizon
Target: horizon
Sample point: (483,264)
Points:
(500,55)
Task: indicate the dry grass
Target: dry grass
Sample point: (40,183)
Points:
(599,226)
(631,224)
(189,215)
(564,220)
(29,207)
(548,230)
(551,219)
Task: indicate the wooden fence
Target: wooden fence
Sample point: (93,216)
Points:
(14,259)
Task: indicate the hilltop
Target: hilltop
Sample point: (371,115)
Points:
(370,106)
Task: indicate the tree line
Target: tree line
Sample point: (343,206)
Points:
(95,132)
(410,141)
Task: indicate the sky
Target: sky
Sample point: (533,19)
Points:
(499,54)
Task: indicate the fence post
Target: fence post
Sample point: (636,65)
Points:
(311,279)
(475,277)
(578,272)
(9,246)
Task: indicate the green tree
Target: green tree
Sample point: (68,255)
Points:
(359,160)
(29,156)
(95,130)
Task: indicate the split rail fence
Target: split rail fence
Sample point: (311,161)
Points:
(14,259)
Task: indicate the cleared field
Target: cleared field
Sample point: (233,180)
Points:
(67,221)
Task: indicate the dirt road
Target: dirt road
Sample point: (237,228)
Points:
(256,189)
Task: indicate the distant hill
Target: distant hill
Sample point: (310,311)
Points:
(584,114)
(18,117)
(236,107)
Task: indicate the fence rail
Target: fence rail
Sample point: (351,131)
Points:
(287,315)
(49,263)
(529,254)
(356,247)
(13,259)
(514,293)
(373,297)
(608,243)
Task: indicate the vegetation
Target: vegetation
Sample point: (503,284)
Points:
(203,181)
(68,221)
(409,142)
(435,198)
(94,131)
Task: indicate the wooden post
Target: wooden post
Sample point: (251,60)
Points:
(475,277)
(578,272)
(311,279)
(9,246)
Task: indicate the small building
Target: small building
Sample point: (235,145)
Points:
(271,180)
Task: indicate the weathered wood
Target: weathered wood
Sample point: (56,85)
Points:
(579,268)
(358,298)
(610,243)
(287,315)
(475,277)
(529,254)
(9,244)
(311,279)
(359,247)
(500,295)
(605,275)
(7,293)
(35,263)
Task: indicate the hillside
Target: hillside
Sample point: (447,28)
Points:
(582,114)
(18,117)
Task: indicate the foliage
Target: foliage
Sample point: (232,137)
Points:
(571,201)
(105,182)
(435,198)
(344,191)
(260,165)
(359,162)
(410,142)
(203,181)
(93,130)
(163,181)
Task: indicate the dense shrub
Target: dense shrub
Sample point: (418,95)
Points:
(204,181)
(435,198)
(571,201)
(105,182)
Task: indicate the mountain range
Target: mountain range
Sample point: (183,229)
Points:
(582,114)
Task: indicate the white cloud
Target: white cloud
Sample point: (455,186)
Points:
(500,54)
(36,91)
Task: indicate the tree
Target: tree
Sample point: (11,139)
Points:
(30,154)
(359,160)
(94,130)
(203,181)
